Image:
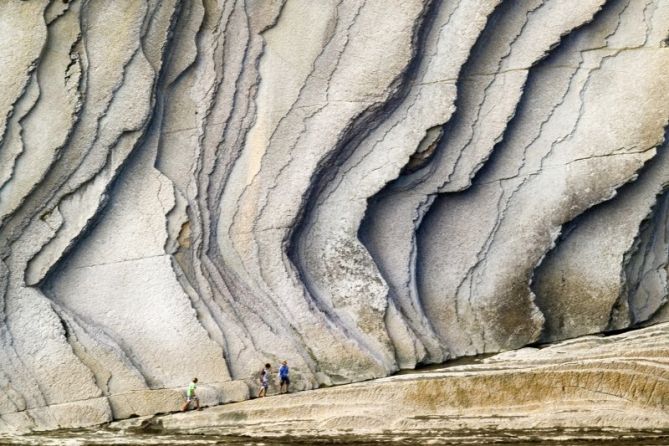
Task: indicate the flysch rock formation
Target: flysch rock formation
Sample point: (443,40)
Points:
(195,188)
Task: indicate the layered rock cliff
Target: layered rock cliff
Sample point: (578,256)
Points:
(195,188)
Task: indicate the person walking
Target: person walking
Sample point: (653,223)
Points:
(284,380)
(191,396)
(264,380)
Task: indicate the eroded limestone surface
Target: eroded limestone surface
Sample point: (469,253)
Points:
(193,188)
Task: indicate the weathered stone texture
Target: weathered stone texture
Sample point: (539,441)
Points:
(195,188)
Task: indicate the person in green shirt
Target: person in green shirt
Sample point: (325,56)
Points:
(191,396)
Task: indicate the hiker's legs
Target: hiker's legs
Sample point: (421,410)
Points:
(184,408)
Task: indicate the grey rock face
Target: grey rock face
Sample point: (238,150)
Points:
(195,188)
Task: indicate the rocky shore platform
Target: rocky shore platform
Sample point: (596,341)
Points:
(603,390)
(593,388)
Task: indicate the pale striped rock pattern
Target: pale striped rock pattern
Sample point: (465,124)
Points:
(195,188)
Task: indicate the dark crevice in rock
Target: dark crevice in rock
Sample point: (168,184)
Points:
(645,290)
(411,176)
(489,174)
(351,137)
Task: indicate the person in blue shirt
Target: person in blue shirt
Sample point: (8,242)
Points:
(284,380)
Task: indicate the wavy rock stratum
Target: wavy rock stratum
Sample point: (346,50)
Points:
(199,187)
